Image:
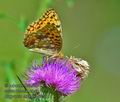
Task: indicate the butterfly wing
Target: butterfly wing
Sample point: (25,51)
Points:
(50,17)
(46,40)
(45,35)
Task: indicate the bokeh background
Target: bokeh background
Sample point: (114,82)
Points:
(91,30)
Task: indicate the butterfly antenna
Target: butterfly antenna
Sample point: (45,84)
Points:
(75,47)
(24,87)
(78,45)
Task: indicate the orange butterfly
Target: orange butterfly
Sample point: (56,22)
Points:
(45,35)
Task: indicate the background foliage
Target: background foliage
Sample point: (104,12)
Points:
(91,30)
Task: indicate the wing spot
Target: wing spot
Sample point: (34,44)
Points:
(57,26)
(31,25)
(48,22)
(57,40)
(28,29)
(57,36)
(52,34)
(53,23)
(47,33)
(52,37)
(53,15)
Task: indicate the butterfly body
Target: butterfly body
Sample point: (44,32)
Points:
(45,35)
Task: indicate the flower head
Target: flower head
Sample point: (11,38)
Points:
(55,73)
(81,66)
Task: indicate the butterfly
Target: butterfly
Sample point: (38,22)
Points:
(45,35)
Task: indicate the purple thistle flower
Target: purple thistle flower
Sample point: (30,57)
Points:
(55,73)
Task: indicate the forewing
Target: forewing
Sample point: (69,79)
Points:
(50,17)
(45,34)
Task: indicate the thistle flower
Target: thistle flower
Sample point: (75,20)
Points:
(55,73)
(61,75)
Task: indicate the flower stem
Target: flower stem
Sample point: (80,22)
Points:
(56,97)
(50,94)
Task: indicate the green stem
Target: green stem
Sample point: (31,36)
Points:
(56,97)
(47,94)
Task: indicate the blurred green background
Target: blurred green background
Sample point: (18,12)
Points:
(91,30)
